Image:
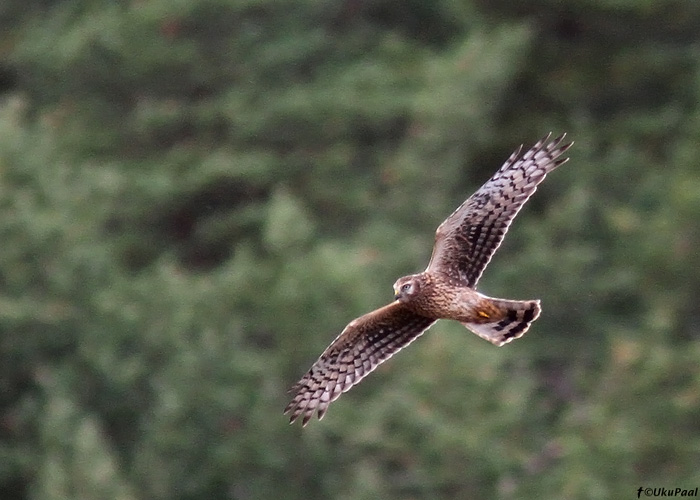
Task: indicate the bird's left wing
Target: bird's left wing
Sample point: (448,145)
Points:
(365,343)
(467,239)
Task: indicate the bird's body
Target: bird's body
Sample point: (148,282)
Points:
(464,245)
(436,296)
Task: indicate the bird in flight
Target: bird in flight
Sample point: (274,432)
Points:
(464,245)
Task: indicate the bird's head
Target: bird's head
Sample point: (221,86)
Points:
(407,287)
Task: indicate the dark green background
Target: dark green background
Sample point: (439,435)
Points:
(197,195)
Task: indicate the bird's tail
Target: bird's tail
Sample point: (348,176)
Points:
(505,320)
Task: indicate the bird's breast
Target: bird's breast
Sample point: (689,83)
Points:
(446,301)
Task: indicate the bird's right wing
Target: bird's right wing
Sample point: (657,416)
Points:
(365,343)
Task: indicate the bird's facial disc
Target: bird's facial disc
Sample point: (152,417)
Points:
(403,288)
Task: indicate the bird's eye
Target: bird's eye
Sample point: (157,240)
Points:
(406,287)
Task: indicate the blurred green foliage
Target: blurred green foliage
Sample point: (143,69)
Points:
(197,195)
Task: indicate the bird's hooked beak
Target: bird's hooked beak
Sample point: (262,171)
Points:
(396,294)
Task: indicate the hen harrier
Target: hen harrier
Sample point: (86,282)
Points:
(464,244)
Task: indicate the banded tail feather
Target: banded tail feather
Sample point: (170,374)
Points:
(515,319)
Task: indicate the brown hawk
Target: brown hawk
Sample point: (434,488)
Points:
(464,244)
